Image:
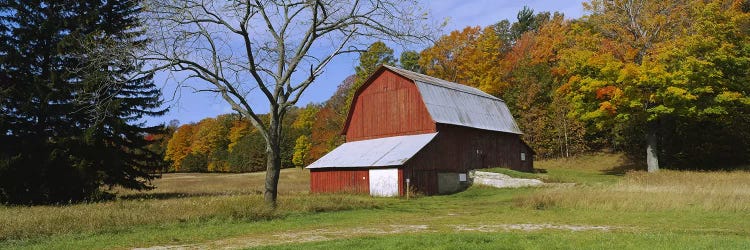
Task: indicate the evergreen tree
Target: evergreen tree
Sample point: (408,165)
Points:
(69,123)
(410,61)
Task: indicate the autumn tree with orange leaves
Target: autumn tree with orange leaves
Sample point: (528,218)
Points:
(656,72)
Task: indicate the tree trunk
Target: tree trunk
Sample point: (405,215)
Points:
(567,146)
(652,159)
(273,162)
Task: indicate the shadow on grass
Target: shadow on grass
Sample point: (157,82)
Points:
(625,166)
(178,195)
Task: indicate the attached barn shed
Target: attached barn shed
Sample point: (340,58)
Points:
(405,126)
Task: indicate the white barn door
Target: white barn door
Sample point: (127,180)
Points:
(384,182)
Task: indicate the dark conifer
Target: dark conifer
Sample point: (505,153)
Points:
(72,123)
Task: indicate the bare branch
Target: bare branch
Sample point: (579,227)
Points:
(277,47)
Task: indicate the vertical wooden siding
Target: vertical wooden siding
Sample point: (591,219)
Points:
(423,181)
(401,182)
(454,150)
(356,180)
(528,164)
(389,106)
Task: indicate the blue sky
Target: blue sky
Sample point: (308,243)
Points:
(188,107)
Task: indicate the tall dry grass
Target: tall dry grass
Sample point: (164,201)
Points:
(291,181)
(594,162)
(178,198)
(28,222)
(665,190)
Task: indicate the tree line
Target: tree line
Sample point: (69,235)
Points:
(673,81)
(663,80)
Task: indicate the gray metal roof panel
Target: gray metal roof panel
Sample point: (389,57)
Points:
(381,152)
(458,104)
(463,109)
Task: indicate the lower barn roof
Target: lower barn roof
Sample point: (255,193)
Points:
(381,152)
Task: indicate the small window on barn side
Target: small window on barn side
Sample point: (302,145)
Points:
(523,156)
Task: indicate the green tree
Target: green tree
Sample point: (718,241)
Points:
(409,60)
(302,148)
(700,78)
(70,125)
(525,22)
(303,126)
(660,74)
(248,155)
(195,162)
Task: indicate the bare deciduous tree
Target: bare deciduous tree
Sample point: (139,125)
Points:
(277,47)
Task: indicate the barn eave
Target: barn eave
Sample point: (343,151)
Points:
(380,152)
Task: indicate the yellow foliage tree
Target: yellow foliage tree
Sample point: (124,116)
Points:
(179,146)
(238,130)
(302,148)
(472,56)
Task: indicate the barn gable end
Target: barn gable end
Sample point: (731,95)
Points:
(387,105)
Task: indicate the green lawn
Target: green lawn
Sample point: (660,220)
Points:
(531,240)
(677,210)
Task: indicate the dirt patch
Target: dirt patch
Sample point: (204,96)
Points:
(313,235)
(530,227)
(331,234)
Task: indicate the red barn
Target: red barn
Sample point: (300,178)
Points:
(404,126)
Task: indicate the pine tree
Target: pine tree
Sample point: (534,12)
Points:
(67,132)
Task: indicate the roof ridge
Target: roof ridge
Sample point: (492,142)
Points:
(444,83)
(464,91)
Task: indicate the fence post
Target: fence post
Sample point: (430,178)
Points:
(407,188)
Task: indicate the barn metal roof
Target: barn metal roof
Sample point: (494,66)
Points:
(381,152)
(457,104)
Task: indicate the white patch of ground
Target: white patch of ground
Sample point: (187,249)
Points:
(530,227)
(503,181)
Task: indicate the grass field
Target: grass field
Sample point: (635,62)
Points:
(607,208)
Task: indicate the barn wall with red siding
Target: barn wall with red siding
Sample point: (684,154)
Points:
(330,180)
(459,149)
(389,106)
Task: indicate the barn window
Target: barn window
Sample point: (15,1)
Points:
(523,156)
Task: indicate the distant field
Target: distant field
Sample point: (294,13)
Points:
(292,181)
(607,208)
